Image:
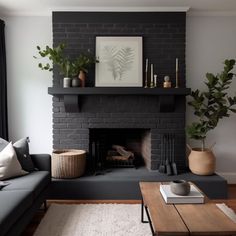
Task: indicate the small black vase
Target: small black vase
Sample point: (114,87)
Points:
(75,82)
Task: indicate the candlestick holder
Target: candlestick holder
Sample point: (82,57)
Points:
(146,80)
(152,84)
(155,80)
(176,80)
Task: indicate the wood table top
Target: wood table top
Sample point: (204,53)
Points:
(184,219)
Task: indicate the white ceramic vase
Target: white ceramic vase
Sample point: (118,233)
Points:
(66,82)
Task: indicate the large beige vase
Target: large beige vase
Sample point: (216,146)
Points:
(202,162)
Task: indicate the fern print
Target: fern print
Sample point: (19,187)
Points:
(118,61)
(125,58)
(109,56)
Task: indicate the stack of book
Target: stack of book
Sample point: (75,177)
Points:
(195,196)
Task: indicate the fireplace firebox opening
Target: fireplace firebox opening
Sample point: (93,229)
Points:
(118,148)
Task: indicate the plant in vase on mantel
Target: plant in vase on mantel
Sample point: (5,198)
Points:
(209,107)
(69,68)
(81,65)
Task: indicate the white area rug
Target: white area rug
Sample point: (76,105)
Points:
(93,219)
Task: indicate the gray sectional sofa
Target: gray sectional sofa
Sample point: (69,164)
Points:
(23,196)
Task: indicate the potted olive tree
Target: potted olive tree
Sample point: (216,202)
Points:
(68,68)
(209,107)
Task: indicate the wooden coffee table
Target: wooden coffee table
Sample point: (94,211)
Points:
(182,219)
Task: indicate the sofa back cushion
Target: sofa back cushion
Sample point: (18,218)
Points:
(22,151)
(9,164)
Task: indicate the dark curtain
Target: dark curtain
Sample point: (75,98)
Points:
(3,85)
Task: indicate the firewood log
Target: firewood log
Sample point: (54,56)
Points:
(122,151)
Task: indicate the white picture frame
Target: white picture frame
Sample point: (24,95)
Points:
(120,61)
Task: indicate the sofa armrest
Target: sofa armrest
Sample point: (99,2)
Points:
(42,161)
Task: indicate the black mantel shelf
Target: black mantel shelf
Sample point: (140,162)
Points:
(118,91)
(166,95)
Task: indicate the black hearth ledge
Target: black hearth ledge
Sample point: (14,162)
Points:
(123,184)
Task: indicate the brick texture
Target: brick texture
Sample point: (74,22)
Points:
(163,40)
(163,37)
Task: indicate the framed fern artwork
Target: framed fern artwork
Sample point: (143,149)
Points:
(120,61)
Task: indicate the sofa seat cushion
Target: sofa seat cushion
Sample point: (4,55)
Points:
(35,181)
(13,205)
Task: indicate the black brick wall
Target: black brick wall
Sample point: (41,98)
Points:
(163,37)
(163,41)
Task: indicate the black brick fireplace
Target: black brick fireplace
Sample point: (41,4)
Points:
(72,130)
(163,40)
(81,113)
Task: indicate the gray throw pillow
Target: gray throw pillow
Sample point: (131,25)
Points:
(22,151)
(3,144)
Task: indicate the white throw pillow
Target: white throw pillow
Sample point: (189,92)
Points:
(9,164)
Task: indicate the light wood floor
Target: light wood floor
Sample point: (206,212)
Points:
(39,215)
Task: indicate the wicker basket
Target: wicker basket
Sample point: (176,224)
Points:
(68,163)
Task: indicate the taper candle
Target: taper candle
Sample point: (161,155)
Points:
(151,81)
(146,74)
(151,72)
(176,64)
(176,73)
(146,65)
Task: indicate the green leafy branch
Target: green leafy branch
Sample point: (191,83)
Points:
(66,66)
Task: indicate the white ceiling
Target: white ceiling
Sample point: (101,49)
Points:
(45,7)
